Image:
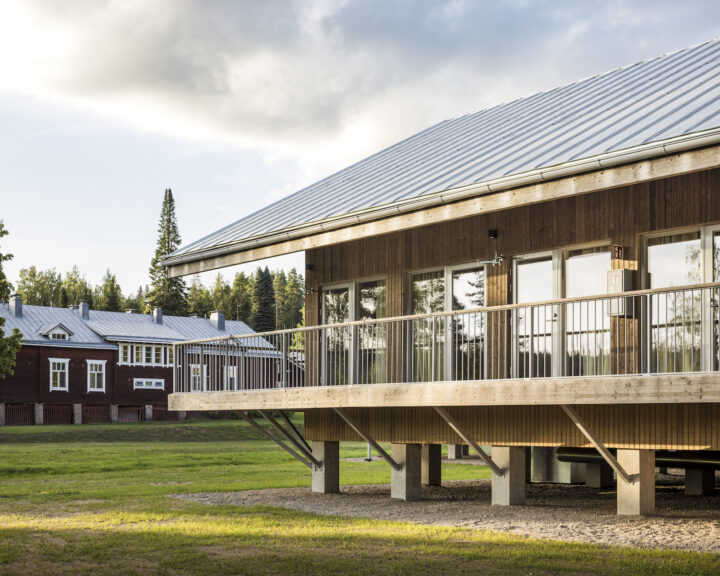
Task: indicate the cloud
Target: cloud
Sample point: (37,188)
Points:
(320,81)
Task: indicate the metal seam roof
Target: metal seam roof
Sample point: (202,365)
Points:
(660,99)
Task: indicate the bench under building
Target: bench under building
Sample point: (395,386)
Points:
(535,276)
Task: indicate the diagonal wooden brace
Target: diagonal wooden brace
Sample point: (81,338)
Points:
(300,448)
(445,415)
(277,440)
(599,446)
(355,426)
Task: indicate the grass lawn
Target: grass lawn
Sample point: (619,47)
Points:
(94,500)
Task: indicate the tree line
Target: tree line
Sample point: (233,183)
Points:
(266,300)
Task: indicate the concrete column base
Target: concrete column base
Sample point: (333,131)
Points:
(457,451)
(148,412)
(405,484)
(77,413)
(39,414)
(113,413)
(699,482)
(431,464)
(599,475)
(2,413)
(181,415)
(326,479)
(638,497)
(509,489)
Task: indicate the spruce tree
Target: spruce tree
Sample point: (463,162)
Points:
(263,318)
(9,345)
(241,297)
(167,293)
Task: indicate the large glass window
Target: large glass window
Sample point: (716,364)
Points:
(336,350)
(198,375)
(534,283)
(427,356)
(467,336)
(587,323)
(373,337)
(676,317)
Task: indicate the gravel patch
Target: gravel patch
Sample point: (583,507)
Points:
(556,512)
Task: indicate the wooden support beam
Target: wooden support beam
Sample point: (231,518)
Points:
(276,440)
(445,415)
(599,446)
(304,451)
(355,426)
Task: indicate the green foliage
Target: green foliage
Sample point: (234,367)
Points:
(293,304)
(9,345)
(222,296)
(77,289)
(40,287)
(167,293)
(108,295)
(263,301)
(241,298)
(199,300)
(5,286)
(135,302)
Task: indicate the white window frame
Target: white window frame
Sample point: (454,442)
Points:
(65,370)
(127,349)
(90,373)
(156,384)
(203,383)
(170,356)
(59,334)
(135,360)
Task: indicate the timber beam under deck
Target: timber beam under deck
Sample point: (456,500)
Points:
(698,388)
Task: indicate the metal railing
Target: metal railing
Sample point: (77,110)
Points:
(642,332)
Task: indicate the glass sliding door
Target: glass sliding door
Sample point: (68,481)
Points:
(337,341)
(427,340)
(533,326)
(715,301)
(372,338)
(467,331)
(587,324)
(676,317)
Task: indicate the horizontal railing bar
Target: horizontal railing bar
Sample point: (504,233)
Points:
(448,314)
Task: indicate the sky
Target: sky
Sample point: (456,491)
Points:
(235,104)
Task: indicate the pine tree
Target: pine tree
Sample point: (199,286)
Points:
(221,296)
(294,300)
(241,298)
(109,294)
(280,288)
(167,293)
(9,345)
(263,299)
(199,300)
(63,297)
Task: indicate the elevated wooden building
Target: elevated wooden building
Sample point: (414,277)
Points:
(544,273)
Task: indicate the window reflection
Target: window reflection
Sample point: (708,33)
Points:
(428,340)
(467,336)
(534,330)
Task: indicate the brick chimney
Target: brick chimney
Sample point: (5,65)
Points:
(157,315)
(16,305)
(217,319)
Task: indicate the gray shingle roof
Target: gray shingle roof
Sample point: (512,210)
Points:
(102,328)
(652,101)
(35,319)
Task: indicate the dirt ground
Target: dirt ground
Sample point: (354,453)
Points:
(553,511)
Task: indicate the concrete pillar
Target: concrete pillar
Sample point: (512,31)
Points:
(699,482)
(113,413)
(326,479)
(405,484)
(599,475)
(431,464)
(39,415)
(457,451)
(77,413)
(509,489)
(148,412)
(2,413)
(638,497)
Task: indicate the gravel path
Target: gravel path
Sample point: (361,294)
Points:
(556,512)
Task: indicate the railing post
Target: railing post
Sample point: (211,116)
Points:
(284,361)
(648,331)
(433,350)
(531,362)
